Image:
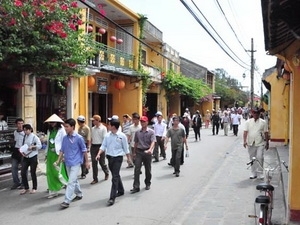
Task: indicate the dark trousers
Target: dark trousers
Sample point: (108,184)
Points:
(197,132)
(114,164)
(94,152)
(32,162)
(159,144)
(15,171)
(176,159)
(145,159)
(215,128)
(84,170)
(187,131)
(235,129)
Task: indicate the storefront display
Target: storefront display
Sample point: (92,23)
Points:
(6,146)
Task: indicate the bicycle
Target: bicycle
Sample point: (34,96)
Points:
(265,201)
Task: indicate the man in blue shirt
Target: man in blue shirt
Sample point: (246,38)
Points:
(115,146)
(73,149)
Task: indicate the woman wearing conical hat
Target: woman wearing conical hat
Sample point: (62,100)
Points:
(56,177)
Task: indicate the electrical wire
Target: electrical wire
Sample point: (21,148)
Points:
(220,7)
(218,33)
(202,25)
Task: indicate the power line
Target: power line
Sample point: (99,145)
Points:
(220,7)
(218,33)
(197,19)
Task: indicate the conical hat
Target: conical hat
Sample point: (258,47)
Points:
(54,118)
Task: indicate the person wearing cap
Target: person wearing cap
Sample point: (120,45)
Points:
(31,145)
(85,132)
(188,113)
(115,146)
(16,157)
(256,139)
(73,150)
(144,141)
(178,139)
(98,133)
(55,134)
(160,130)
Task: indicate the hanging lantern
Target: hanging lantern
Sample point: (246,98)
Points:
(119,41)
(91,81)
(113,38)
(102,31)
(90,28)
(119,84)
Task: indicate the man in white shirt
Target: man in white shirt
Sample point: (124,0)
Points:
(236,121)
(134,127)
(98,133)
(256,137)
(160,130)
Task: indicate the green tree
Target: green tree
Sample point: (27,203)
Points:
(193,88)
(229,89)
(43,37)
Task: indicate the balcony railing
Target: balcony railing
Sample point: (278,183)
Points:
(113,59)
(154,73)
(153,31)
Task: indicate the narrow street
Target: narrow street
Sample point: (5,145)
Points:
(213,188)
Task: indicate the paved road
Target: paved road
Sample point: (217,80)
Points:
(213,188)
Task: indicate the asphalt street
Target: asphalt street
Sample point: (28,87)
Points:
(213,188)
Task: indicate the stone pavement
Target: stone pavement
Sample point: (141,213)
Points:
(227,195)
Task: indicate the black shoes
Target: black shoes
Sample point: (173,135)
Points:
(77,198)
(147,187)
(253,177)
(156,161)
(120,194)
(177,174)
(64,205)
(15,186)
(134,190)
(110,202)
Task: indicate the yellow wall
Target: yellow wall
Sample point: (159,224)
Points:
(294,131)
(174,104)
(127,100)
(279,107)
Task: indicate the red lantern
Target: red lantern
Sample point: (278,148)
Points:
(102,31)
(119,41)
(113,38)
(90,28)
(119,84)
(91,81)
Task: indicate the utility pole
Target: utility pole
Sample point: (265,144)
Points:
(252,74)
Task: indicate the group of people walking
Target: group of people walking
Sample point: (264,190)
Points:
(67,150)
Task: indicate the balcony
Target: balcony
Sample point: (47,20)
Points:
(152,34)
(113,60)
(154,73)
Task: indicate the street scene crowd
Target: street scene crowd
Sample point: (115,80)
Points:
(143,142)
